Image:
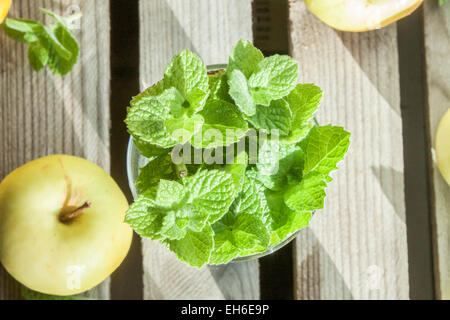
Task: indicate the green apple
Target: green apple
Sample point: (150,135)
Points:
(361,15)
(442,146)
(62,227)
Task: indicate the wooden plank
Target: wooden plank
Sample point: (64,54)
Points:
(45,114)
(356,247)
(437,49)
(209,28)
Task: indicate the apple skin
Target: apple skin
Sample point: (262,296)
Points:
(361,15)
(442,146)
(4,7)
(43,253)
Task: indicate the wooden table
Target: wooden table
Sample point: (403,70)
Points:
(384,232)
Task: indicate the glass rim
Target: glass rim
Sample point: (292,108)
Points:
(132,148)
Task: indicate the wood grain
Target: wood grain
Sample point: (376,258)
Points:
(209,28)
(356,248)
(44,114)
(437,50)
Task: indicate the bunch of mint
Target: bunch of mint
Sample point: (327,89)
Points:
(51,45)
(236,164)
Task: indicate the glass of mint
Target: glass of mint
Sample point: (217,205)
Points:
(225,162)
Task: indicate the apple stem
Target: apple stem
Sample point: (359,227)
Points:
(181,170)
(68,216)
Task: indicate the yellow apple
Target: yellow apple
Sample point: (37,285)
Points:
(442,146)
(361,15)
(62,227)
(4,7)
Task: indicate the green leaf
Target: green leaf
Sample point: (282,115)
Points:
(169,193)
(442,2)
(303,101)
(283,221)
(240,92)
(145,217)
(187,73)
(182,129)
(324,147)
(242,231)
(145,121)
(223,125)
(172,100)
(173,227)
(274,80)
(245,57)
(37,55)
(211,191)
(22,30)
(51,45)
(279,165)
(218,86)
(155,170)
(149,150)
(277,116)
(153,90)
(195,248)
(237,169)
(63,50)
(308,195)
(165,212)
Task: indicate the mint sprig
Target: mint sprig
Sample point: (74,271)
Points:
(234,202)
(51,45)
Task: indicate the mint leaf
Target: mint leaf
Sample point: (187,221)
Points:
(60,38)
(324,147)
(242,231)
(277,116)
(211,191)
(279,165)
(155,170)
(145,217)
(169,193)
(173,100)
(243,235)
(218,86)
(308,195)
(240,92)
(237,169)
(149,150)
(173,227)
(195,248)
(166,212)
(245,57)
(187,73)
(182,129)
(153,90)
(303,101)
(38,56)
(22,30)
(223,125)
(51,45)
(145,121)
(274,80)
(283,220)
(234,165)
